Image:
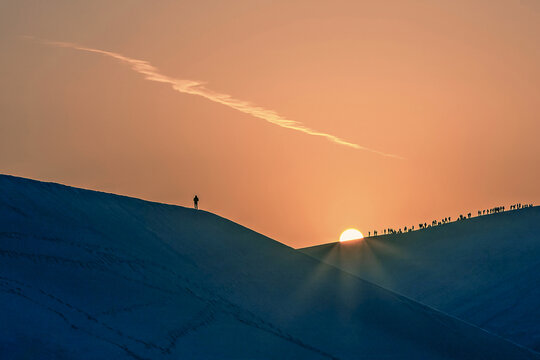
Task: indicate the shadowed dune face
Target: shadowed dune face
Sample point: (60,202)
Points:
(483,270)
(87,275)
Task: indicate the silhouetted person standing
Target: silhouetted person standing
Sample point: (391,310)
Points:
(196,202)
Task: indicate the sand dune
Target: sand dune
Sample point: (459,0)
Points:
(484,270)
(90,275)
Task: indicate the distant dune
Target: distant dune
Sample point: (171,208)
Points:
(484,270)
(90,275)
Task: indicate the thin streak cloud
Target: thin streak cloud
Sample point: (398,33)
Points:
(151,73)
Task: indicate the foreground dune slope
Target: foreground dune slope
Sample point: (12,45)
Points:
(90,275)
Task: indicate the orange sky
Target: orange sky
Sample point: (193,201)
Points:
(451,87)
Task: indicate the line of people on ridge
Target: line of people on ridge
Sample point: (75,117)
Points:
(494,210)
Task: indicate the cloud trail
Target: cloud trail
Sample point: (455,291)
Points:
(151,73)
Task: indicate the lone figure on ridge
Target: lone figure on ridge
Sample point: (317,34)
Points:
(196,202)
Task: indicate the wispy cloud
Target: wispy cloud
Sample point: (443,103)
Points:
(151,73)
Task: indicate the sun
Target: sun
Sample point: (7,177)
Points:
(351,234)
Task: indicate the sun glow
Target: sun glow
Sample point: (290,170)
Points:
(351,234)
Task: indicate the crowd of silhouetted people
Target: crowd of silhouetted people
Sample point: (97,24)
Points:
(520,206)
(493,210)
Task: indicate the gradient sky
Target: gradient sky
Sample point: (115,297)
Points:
(449,89)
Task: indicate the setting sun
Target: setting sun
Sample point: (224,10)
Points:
(350,234)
